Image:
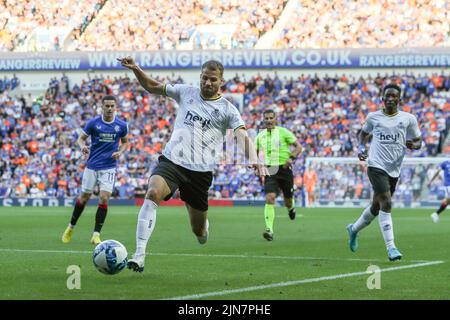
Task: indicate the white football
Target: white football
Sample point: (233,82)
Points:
(110,257)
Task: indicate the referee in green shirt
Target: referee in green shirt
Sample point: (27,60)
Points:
(275,142)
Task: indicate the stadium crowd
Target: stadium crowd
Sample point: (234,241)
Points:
(39,156)
(154,25)
(367,24)
(18,18)
(161,24)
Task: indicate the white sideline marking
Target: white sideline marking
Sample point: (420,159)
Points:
(241,256)
(271,257)
(42,251)
(295,282)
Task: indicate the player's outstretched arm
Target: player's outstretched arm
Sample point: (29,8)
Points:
(149,84)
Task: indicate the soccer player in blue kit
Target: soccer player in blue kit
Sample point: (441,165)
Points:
(105,131)
(445,167)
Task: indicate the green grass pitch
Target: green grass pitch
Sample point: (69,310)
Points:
(308,259)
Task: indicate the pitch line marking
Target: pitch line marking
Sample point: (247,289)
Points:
(241,256)
(296,282)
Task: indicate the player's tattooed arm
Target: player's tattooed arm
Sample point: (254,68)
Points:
(414,144)
(151,85)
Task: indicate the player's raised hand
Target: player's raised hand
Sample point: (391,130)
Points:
(116,155)
(127,62)
(362,153)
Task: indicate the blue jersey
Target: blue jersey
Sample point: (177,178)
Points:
(445,166)
(105,138)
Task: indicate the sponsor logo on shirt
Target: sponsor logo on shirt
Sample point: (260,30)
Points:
(107,137)
(192,118)
(388,138)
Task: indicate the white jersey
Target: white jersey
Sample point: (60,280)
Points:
(200,128)
(388,146)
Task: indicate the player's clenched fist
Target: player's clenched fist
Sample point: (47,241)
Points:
(127,62)
(116,155)
(362,153)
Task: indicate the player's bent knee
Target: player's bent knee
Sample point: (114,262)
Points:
(84,198)
(386,206)
(153,194)
(270,199)
(104,200)
(374,209)
(197,232)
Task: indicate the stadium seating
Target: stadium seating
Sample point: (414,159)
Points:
(18,18)
(161,24)
(154,25)
(367,24)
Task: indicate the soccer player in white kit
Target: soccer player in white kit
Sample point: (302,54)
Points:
(188,159)
(392,131)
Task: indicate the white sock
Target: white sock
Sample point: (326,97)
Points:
(96,234)
(364,220)
(203,239)
(386,226)
(146,224)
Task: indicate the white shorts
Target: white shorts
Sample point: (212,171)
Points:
(447,191)
(105,179)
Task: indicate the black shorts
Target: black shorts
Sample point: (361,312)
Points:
(283,179)
(193,185)
(381,181)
